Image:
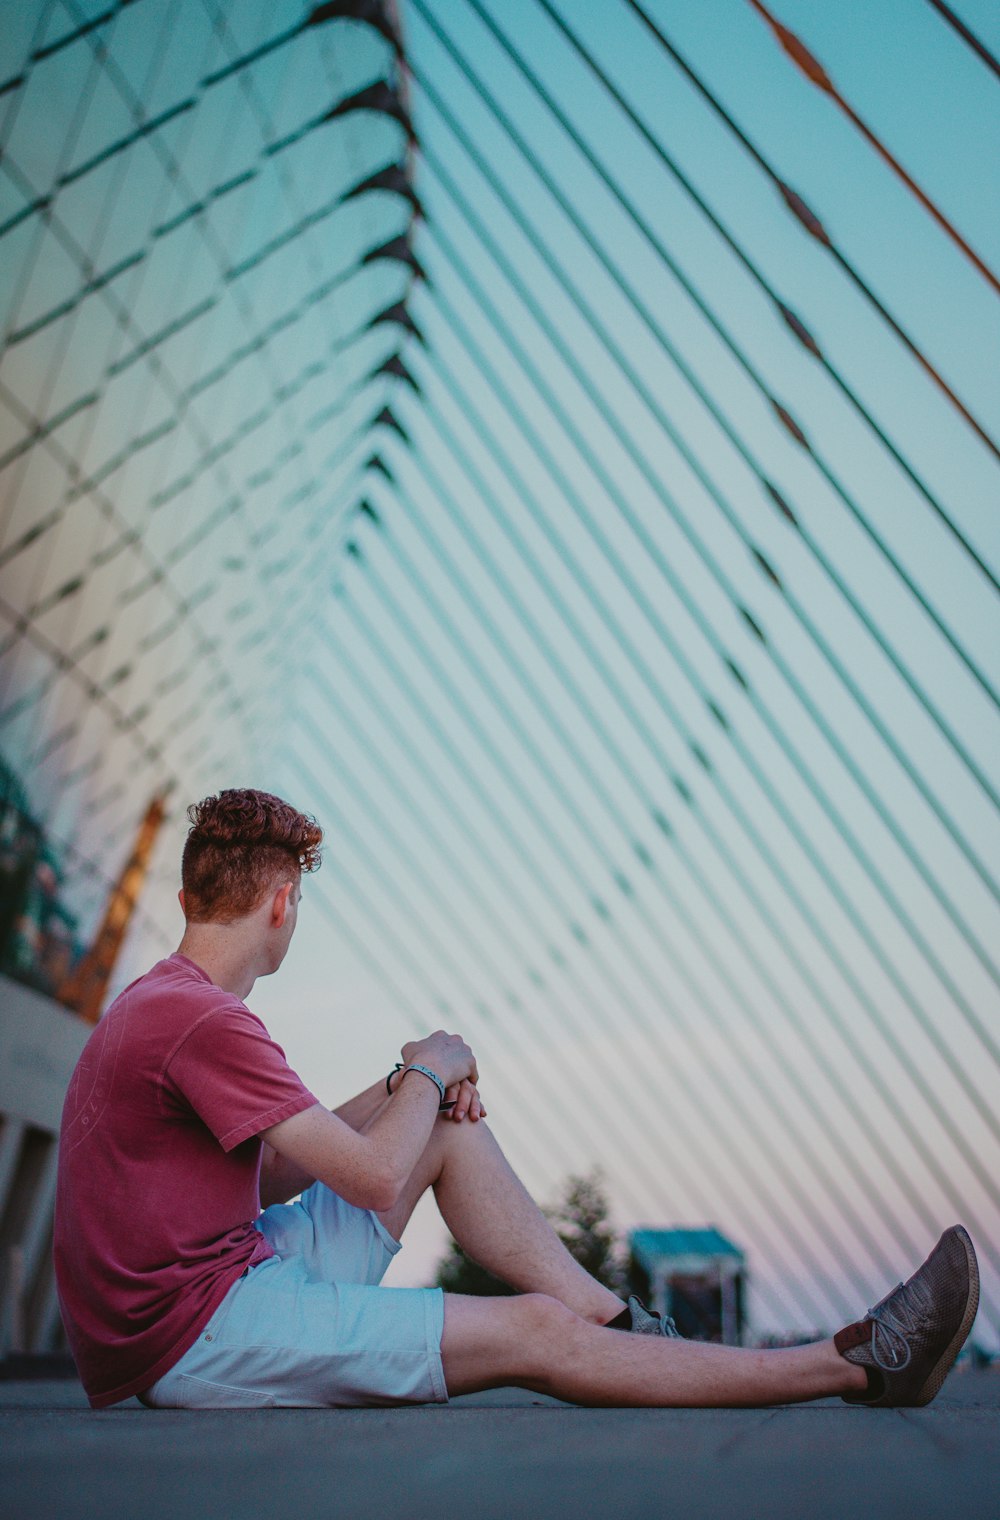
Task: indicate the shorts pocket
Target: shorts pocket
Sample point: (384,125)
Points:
(199,1393)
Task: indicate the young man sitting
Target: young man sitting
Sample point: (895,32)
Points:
(183,1118)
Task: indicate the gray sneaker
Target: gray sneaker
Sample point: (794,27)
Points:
(645,1322)
(910,1340)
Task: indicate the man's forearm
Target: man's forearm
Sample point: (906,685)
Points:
(369,1167)
(281,1179)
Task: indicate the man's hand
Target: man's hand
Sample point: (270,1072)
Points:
(446,1054)
(465,1100)
(462,1096)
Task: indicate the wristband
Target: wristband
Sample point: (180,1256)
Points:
(399,1066)
(425,1071)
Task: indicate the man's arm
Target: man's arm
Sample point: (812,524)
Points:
(281,1179)
(370,1168)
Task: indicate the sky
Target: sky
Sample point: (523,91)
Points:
(717,911)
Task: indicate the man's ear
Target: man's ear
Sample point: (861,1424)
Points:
(180,899)
(279,906)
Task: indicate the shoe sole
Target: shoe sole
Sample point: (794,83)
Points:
(946,1361)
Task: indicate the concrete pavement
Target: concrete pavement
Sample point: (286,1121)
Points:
(502,1455)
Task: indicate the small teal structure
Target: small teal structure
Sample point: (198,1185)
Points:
(696,1275)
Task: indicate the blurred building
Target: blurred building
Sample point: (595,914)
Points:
(696,1276)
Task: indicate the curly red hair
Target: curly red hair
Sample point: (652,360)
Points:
(241,845)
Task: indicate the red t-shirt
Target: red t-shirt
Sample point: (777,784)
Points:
(159,1169)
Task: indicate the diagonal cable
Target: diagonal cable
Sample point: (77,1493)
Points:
(967,35)
(885,1091)
(637,217)
(614,348)
(413,640)
(814,71)
(604,545)
(585,451)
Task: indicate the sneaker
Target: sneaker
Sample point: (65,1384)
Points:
(645,1322)
(910,1340)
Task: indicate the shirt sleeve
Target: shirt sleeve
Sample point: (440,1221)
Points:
(235,1077)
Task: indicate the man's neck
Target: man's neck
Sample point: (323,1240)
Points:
(221,956)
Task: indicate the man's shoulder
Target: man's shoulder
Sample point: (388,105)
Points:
(175,994)
(176,977)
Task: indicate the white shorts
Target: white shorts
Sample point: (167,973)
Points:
(310,1327)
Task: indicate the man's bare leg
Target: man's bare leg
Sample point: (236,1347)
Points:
(553,1337)
(536,1342)
(496,1221)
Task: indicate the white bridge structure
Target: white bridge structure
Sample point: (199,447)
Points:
(558,446)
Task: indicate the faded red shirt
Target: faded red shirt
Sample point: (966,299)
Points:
(159,1170)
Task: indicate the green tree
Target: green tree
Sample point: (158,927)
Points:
(580,1218)
(582,1224)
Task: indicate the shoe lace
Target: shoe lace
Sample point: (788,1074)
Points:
(895,1319)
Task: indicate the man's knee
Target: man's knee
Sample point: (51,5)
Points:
(542,1318)
(525,1320)
(490,1341)
(547,1336)
(467,1138)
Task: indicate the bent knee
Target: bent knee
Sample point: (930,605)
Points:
(550,1337)
(542,1315)
(462,1131)
(488,1342)
(468,1143)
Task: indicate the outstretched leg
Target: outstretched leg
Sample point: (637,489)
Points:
(553,1337)
(495,1220)
(535,1342)
(897,1356)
